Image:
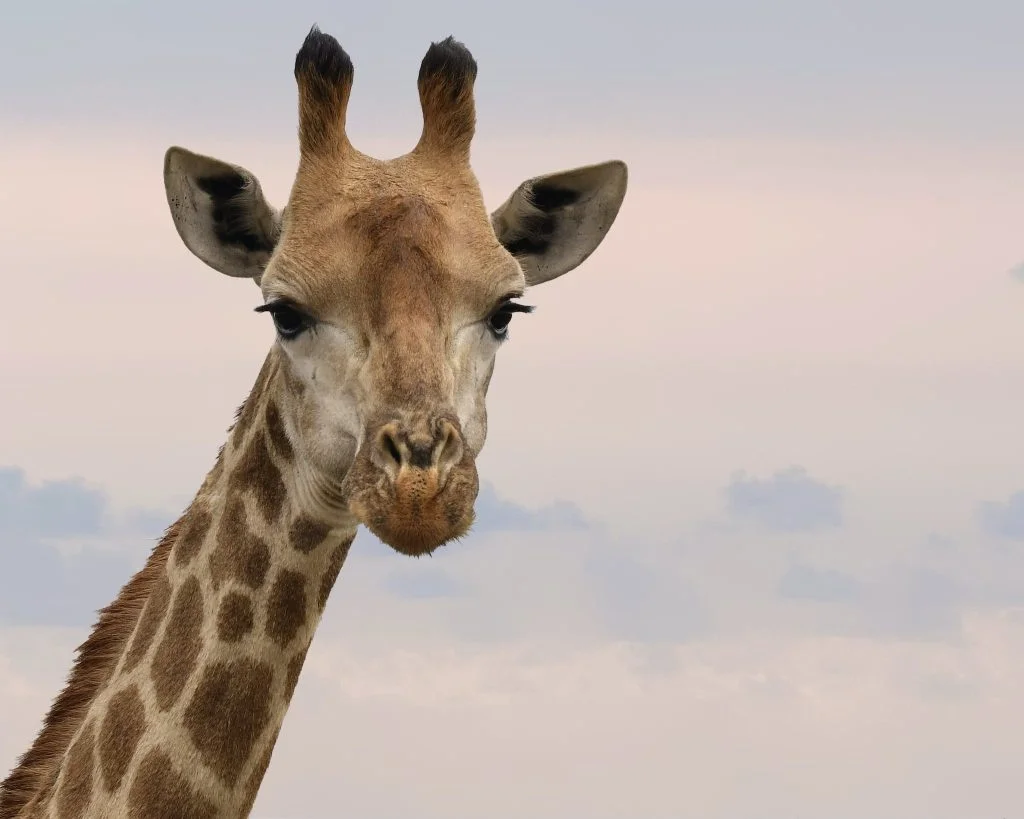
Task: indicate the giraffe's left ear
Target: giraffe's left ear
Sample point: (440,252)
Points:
(552,223)
(220,213)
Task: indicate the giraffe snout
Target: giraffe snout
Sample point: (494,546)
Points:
(423,450)
(414,482)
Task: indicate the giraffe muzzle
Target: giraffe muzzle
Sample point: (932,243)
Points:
(414,483)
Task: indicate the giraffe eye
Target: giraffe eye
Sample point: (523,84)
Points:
(289,321)
(499,320)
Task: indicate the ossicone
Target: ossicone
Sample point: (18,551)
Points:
(445,83)
(324,73)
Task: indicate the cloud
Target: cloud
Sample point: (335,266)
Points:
(51,572)
(643,602)
(423,583)
(804,582)
(57,567)
(55,509)
(1003,519)
(497,515)
(907,601)
(788,502)
(1018,272)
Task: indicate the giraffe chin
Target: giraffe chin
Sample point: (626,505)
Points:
(410,514)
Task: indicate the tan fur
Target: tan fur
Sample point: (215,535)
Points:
(373,415)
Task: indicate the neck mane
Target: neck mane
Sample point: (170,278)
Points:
(233,504)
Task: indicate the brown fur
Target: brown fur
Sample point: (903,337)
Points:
(306,534)
(286,607)
(175,658)
(331,573)
(234,618)
(79,777)
(239,553)
(94,664)
(237,694)
(122,729)
(160,792)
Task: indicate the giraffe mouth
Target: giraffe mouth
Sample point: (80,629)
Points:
(414,513)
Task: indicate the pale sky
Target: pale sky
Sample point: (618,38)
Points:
(752,540)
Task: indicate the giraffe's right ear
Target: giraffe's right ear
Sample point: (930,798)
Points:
(220,213)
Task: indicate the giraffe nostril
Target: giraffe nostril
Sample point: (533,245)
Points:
(449,449)
(389,447)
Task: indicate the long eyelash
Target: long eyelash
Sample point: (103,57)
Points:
(271,306)
(515,307)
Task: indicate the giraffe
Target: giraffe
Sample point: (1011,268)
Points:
(390,288)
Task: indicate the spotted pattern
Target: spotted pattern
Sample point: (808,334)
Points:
(234,617)
(258,473)
(192,536)
(239,555)
(76,789)
(255,779)
(331,572)
(160,792)
(119,737)
(276,432)
(294,670)
(175,657)
(229,710)
(286,607)
(306,534)
(149,623)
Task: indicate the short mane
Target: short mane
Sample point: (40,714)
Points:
(95,662)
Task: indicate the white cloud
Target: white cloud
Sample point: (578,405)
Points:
(788,501)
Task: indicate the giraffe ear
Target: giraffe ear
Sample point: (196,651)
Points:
(220,213)
(552,223)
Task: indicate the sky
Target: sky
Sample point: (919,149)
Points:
(751,539)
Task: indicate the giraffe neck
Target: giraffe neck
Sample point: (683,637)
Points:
(187,722)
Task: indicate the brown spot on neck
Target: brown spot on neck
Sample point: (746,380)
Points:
(76,789)
(286,607)
(234,617)
(331,572)
(119,737)
(276,433)
(294,670)
(306,534)
(247,411)
(252,784)
(240,554)
(257,472)
(152,617)
(194,530)
(160,792)
(175,658)
(228,712)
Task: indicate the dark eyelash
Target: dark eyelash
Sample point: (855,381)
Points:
(515,307)
(278,304)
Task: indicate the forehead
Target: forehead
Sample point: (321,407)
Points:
(375,234)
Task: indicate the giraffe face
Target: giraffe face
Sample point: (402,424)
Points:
(391,290)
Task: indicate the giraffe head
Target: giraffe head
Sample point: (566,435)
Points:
(391,289)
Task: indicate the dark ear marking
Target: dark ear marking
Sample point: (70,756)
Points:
(536,228)
(551,197)
(231,213)
(552,223)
